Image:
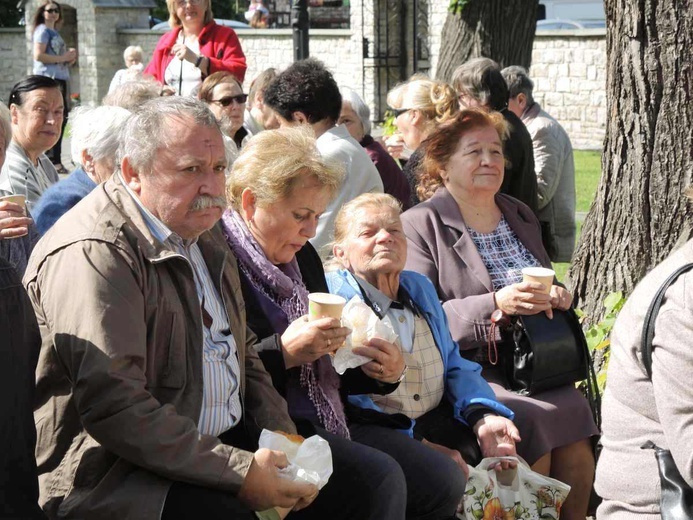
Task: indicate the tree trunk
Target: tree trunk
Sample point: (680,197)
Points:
(502,30)
(640,212)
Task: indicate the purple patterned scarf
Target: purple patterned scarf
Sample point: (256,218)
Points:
(284,285)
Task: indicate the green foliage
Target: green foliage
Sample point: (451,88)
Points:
(598,336)
(456,6)
(588,171)
(388,125)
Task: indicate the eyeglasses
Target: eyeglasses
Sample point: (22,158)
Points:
(53,11)
(181,3)
(226,101)
(399,111)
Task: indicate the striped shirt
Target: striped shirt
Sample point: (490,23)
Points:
(19,176)
(221,403)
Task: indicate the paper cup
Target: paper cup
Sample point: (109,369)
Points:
(325,305)
(17,199)
(539,274)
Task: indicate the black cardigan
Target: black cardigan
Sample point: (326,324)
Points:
(354,381)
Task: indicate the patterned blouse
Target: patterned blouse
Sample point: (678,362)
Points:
(503,254)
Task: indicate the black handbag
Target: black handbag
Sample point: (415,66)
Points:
(542,353)
(676,501)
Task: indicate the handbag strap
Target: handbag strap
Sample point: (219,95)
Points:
(651,316)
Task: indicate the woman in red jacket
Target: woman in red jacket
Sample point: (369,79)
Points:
(195,48)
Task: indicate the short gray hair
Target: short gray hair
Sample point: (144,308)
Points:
(5,124)
(359,106)
(481,79)
(145,131)
(518,82)
(96,131)
(133,94)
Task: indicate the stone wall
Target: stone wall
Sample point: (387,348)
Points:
(13,59)
(568,67)
(274,48)
(569,74)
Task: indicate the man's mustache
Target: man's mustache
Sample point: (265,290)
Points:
(207,201)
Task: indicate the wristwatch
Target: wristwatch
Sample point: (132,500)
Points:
(198,61)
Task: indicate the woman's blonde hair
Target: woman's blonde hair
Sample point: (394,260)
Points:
(350,213)
(173,19)
(436,100)
(274,161)
(445,140)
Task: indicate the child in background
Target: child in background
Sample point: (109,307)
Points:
(133,67)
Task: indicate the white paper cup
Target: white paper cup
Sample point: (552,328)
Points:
(325,305)
(17,199)
(539,274)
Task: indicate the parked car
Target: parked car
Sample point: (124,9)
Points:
(557,24)
(234,24)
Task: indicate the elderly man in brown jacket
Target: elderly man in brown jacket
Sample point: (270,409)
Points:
(149,395)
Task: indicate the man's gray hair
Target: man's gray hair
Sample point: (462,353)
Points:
(518,82)
(146,131)
(96,131)
(133,94)
(480,78)
(5,124)
(359,106)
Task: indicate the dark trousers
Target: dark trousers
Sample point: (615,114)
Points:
(20,342)
(55,153)
(440,426)
(381,474)
(434,483)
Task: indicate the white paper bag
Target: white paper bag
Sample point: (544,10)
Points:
(513,494)
(364,325)
(310,461)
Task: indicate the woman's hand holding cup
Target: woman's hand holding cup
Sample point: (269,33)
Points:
(13,220)
(524,298)
(306,340)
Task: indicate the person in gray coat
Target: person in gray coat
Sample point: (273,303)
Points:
(553,163)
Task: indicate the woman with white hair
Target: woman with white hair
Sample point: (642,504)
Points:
(356,117)
(133,67)
(94,135)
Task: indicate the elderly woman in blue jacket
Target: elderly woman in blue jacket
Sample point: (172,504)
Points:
(450,405)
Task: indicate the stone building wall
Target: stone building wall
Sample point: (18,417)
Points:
(12,58)
(568,67)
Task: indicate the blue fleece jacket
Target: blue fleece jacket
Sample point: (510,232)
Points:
(464,385)
(60,198)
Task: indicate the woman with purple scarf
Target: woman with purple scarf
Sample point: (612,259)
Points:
(278,189)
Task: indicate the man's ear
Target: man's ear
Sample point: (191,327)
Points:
(248,204)
(87,161)
(522,101)
(131,176)
(300,117)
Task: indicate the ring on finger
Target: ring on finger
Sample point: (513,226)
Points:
(329,342)
(381,370)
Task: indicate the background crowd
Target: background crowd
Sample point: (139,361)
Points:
(163,308)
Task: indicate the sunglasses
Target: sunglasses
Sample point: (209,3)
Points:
(53,11)
(181,3)
(399,111)
(226,101)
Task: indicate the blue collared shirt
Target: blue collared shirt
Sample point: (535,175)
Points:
(221,402)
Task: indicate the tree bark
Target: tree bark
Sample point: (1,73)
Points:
(502,30)
(640,211)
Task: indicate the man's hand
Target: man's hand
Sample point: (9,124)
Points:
(497,436)
(453,454)
(264,487)
(388,362)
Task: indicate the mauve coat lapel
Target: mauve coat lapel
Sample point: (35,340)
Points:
(450,215)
